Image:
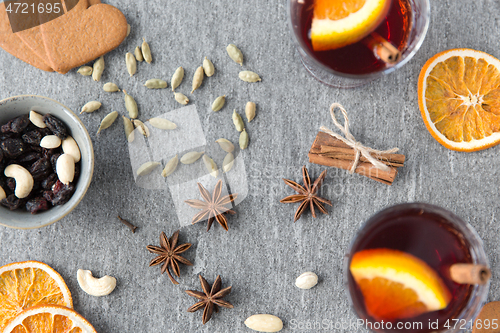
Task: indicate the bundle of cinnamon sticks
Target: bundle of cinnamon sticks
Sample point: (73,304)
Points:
(329,151)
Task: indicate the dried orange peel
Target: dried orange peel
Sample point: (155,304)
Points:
(459,98)
(397,285)
(27,284)
(337,24)
(49,319)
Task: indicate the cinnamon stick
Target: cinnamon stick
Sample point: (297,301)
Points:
(329,151)
(470,273)
(382,48)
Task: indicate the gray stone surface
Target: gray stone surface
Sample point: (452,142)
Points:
(264,251)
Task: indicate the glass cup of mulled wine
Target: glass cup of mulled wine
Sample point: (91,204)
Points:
(401,271)
(402,25)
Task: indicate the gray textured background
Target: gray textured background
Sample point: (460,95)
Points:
(264,251)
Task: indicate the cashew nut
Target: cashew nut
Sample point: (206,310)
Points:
(24,180)
(70,147)
(93,286)
(65,168)
(50,142)
(37,119)
(2,193)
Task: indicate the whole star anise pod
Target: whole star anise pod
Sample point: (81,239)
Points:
(169,255)
(307,194)
(214,206)
(210,299)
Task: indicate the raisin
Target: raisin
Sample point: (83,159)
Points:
(48,182)
(53,161)
(33,138)
(11,184)
(36,205)
(29,157)
(41,169)
(77,173)
(13,147)
(5,136)
(49,152)
(12,202)
(61,193)
(56,126)
(16,125)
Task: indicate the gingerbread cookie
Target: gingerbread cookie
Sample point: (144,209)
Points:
(11,43)
(32,38)
(78,37)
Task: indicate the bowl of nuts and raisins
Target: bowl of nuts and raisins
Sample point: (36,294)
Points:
(46,161)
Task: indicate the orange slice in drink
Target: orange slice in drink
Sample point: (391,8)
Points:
(397,285)
(337,23)
(459,98)
(49,319)
(27,284)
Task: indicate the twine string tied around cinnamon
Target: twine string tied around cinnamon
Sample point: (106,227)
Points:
(358,147)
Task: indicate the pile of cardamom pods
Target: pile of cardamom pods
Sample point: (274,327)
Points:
(143,53)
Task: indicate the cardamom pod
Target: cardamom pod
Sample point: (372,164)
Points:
(128,29)
(191,157)
(228,162)
(249,76)
(244,139)
(181,98)
(218,103)
(110,87)
(162,123)
(235,54)
(131,63)
(143,129)
(129,129)
(131,105)
(197,78)
(208,67)
(138,54)
(91,107)
(146,51)
(107,121)
(155,84)
(226,145)
(211,166)
(177,78)
(238,122)
(98,69)
(85,70)
(250,111)
(170,166)
(147,168)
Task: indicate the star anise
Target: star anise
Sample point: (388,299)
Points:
(210,299)
(214,206)
(169,254)
(307,194)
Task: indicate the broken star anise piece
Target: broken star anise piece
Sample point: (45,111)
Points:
(169,255)
(214,206)
(307,194)
(210,299)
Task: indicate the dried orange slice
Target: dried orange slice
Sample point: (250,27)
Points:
(397,285)
(459,98)
(49,319)
(29,283)
(337,23)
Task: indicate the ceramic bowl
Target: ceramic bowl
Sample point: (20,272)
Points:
(18,105)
